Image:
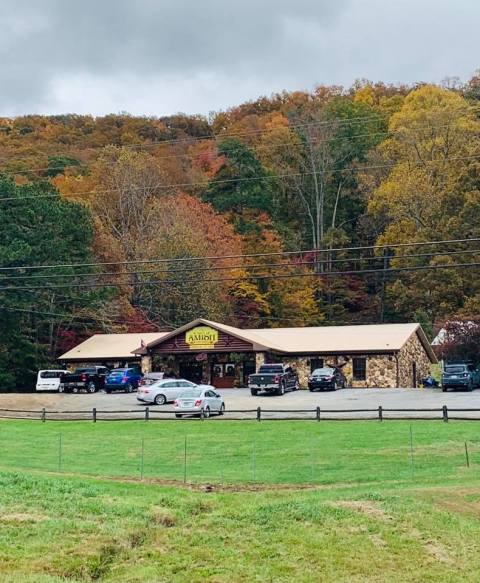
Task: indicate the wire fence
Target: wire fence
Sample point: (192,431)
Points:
(316,458)
(380,413)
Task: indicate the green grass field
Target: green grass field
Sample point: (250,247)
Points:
(290,452)
(334,502)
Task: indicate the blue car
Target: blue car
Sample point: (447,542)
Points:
(123,379)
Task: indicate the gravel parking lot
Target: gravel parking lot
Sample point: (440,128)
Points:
(120,405)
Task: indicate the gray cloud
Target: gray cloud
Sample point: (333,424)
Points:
(160,56)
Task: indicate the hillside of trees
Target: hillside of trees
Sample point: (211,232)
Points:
(292,210)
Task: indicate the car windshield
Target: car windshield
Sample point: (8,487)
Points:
(191,394)
(323,371)
(271,368)
(455,369)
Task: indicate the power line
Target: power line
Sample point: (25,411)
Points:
(191,156)
(246,179)
(244,255)
(334,122)
(242,267)
(220,136)
(249,277)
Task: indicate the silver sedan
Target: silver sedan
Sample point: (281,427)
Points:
(165,391)
(198,401)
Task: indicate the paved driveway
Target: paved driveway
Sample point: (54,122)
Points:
(289,405)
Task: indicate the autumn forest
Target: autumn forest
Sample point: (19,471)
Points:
(336,206)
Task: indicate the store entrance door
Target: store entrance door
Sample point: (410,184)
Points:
(192,371)
(223,375)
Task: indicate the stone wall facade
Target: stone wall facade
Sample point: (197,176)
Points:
(302,366)
(413,355)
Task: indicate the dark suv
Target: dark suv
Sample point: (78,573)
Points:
(326,378)
(460,375)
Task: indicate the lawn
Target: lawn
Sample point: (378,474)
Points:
(66,529)
(288,452)
(332,502)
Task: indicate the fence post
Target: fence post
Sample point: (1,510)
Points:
(44,415)
(380,413)
(318,413)
(185,461)
(254,461)
(259,414)
(94,414)
(59,452)
(147,413)
(142,458)
(411,451)
(466,455)
(445,413)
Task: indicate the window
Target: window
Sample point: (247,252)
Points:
(316,363)
(359,369)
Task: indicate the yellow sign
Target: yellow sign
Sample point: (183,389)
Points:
(201,337)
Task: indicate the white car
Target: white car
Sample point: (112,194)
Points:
(165,391)
(49,380)
(199,400)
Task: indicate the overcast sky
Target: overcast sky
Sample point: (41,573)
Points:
(159,57)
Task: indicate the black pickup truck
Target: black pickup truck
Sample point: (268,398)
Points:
(90,379)
(273,378)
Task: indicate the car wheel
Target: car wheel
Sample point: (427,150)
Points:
(310,389)
(281,389)
(222,409)
(75,390)
(160,400)
(129,388)
(206,412)
(444,389)
(253,392)
(91,388)
(296,386)
(335,386)
(178,415)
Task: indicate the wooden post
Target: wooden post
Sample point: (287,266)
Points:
(44,415)
(466,455)
(94,414)
(60,452)
(185,461)
(147,413)
(142,458)
(445,413)
(318,413)
(259,414)
(411,452)
(380,413)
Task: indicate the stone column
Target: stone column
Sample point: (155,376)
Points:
(259,359)
(146,364)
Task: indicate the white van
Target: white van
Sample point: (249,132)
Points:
(49,380)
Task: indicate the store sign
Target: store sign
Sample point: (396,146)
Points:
(201,337)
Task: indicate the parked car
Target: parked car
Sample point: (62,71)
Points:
(326,378)
(90,379)
(151,377)
(273,378)
(197,401)
(165,391)
(460,375)
(49,380)
(123,379)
